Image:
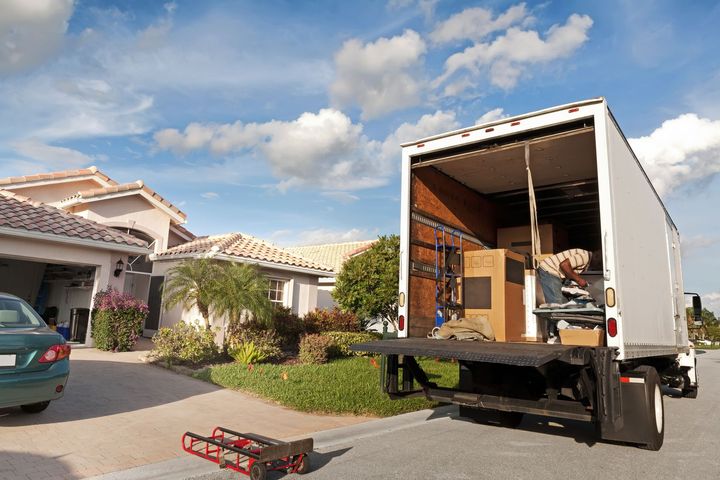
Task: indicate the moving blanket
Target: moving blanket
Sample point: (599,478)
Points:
(465,329)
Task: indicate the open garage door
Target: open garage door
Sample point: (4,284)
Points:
(60,293)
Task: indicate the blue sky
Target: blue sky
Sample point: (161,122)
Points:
(282,119)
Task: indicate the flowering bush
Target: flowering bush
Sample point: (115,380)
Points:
(335,320)
(117,320)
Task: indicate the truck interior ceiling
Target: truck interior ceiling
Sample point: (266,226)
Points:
(482,191)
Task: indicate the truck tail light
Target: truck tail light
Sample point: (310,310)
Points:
(55,354)
(612,327)
(401,322)
(610,297)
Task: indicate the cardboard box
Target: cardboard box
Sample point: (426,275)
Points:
(582,337)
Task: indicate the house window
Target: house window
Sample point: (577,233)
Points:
(276,294)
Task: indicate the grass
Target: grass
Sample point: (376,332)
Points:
(707,347)
(343,386)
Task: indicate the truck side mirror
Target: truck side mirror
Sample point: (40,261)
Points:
(697,308)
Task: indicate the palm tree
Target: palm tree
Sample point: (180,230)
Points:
(242,289)
(193,283)
(218,288)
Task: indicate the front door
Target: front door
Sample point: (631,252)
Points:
(155,305)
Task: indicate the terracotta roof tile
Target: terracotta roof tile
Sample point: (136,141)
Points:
(38,177)
(242,246)
(22,213)
(333,254)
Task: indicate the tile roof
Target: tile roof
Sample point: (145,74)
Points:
(332,254)
(40,177)
(242,246)
(121,188)
(22,213)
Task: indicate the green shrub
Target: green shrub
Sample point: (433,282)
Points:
(185,343)
(316,348)
(288,326)
(335,320)
(343,340)
(247,353)
(117,320)
(266,342)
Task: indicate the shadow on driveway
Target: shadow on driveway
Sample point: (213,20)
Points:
(20,465)
(99,388)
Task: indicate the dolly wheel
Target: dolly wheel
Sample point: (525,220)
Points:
(258,471)
(304,466)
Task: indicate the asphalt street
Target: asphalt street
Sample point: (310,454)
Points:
(441,446)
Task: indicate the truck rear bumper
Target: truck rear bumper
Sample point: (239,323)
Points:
(517,354)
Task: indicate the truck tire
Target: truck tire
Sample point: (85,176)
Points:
(654,409)
(492,417)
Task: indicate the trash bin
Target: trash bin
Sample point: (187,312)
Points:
(64,330)
(79,324)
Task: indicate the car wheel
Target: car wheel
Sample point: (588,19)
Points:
(35,407)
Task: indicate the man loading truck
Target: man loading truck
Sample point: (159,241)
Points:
(564,265)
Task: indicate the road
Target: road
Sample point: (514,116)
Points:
(442,446)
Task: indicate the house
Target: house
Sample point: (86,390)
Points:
(333,255)
(69,234)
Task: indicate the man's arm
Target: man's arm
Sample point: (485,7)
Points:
(570,273)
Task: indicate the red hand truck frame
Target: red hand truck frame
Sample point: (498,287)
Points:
(248,453)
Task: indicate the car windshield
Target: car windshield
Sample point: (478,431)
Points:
(17,313)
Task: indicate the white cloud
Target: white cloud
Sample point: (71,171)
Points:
(52,157)
(698,242)
(506,58)
(491,116)
(476,23)
(682,150)
(319,236)
(324,149)
(210,195)
(342,197)
(711,301)
(425,6)
(380,76)
(31,31)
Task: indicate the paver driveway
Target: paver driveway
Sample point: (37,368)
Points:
(119,413)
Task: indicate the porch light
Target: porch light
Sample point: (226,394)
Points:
(119,266)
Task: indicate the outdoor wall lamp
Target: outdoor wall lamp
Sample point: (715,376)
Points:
(118,268)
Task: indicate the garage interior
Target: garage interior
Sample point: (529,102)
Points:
(61,294)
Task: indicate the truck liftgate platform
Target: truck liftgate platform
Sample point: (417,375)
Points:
(248,453)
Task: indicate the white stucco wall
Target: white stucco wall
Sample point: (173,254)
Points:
(130,211)
(54,193)
(301,295)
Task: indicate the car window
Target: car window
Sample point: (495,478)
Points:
(16,313)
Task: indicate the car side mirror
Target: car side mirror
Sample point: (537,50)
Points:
(697,308)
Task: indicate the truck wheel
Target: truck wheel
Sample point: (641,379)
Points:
(35,407)
(492,417)
(653,409)
(258,471)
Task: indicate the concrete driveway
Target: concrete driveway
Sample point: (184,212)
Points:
(119,413)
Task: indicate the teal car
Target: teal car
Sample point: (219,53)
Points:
(34,360)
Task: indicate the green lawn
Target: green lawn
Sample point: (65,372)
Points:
(343,386)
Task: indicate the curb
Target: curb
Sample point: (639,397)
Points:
(188,467)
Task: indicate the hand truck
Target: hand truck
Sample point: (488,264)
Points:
(248,453)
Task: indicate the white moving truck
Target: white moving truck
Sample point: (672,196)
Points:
(468,249)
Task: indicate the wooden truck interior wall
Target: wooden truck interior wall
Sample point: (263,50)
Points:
(478,191)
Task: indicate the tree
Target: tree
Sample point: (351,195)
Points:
(368,283)
(192,283)
(218,288)
(241,288)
